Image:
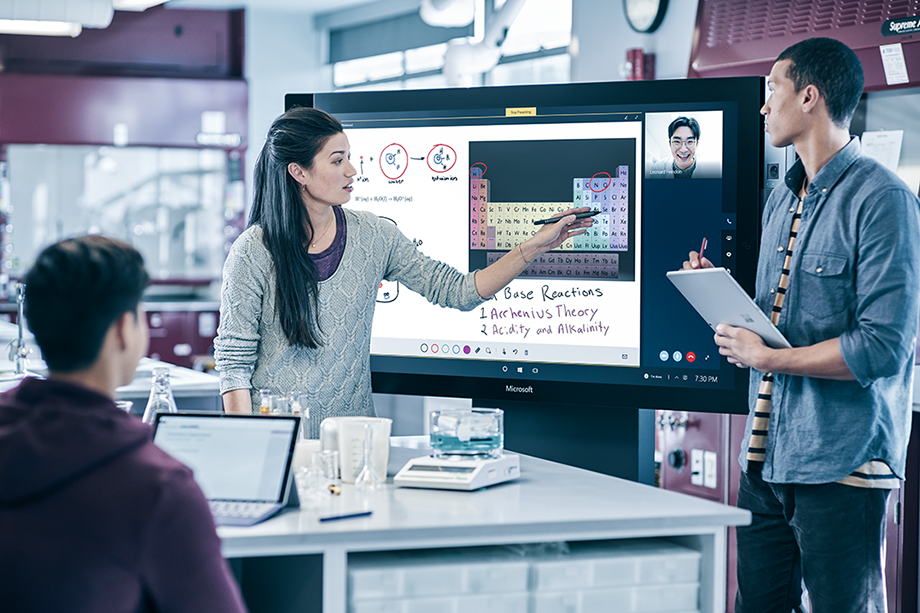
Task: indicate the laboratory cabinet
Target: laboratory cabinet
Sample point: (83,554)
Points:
(699,453)
(182,333)
(619,576)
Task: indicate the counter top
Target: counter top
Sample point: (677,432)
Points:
(152,306)
(185,381)
(549,501)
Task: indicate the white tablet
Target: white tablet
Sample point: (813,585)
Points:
(719,299)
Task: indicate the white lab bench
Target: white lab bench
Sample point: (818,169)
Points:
(193,390)
(550,502)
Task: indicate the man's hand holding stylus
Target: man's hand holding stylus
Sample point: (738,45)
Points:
(740,346)
(694,262)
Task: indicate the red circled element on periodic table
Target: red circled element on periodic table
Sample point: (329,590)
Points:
(597,191)
(386,156)
(439,158)
(484,169)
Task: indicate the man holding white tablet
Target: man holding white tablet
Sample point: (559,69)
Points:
(839,273)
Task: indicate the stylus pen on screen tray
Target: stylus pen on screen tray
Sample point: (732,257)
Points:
(540,222)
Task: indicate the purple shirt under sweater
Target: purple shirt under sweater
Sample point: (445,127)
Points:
(328,261)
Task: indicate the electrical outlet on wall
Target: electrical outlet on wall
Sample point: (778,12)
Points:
(710,469)
(696,467)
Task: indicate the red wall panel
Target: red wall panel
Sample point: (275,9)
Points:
(742,38)
(156,42)
(159,112)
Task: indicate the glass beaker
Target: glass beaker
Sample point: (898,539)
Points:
(314,481)
(280,405)
(467,432)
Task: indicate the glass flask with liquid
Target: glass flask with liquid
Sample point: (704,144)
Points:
(265,402)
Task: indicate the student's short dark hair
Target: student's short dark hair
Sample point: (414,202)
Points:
(833,68)
(685,122)
(75,292)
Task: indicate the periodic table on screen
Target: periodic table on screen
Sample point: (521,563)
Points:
(497,227)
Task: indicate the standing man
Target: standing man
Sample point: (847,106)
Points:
(839,270)
(94,516)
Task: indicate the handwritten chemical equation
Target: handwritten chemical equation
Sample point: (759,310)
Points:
(384,199)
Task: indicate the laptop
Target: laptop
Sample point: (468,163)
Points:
(241,462)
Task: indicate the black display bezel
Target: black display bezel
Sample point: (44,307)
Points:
(743,144)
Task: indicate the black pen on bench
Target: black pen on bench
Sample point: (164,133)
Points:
(345,516)
(540,222)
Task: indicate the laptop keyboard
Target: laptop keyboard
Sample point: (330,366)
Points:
(240,508)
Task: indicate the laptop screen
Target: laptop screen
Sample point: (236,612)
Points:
(233,457)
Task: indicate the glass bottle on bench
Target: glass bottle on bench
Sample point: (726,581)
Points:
(161,396)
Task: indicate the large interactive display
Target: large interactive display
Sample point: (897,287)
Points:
(464,173)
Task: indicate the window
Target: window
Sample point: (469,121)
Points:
(534,51)
(169,203)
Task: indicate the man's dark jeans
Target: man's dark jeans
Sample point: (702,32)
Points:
(830,535)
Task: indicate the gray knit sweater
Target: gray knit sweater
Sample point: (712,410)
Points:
(252,352)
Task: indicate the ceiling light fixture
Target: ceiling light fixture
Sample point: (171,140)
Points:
(54,17)
(40,28)
(135,5)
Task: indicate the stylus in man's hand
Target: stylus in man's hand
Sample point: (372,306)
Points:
(702,249)
(540,222)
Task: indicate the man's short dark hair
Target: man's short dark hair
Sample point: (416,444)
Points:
(833,68)
(685,122)
(75,291)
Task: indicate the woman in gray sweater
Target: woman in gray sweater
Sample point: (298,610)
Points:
(300,284)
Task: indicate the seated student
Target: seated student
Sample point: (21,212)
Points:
(93,516)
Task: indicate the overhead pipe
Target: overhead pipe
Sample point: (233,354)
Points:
(447,13)
(465,60)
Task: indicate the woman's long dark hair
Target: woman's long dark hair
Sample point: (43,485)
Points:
(278,208)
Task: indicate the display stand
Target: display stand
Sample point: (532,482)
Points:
(614,441)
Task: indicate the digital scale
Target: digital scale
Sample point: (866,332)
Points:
(458,472)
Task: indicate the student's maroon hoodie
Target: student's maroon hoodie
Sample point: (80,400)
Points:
(94,516)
